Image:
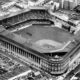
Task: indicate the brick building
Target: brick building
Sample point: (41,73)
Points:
(68,4)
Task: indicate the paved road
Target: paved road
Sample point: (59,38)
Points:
(72,73)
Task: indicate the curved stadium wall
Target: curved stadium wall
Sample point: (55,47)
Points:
(42,61)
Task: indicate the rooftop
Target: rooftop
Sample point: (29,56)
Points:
(67,15)
(12,8)
(10,67)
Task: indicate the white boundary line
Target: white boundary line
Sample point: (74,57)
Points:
(17,29)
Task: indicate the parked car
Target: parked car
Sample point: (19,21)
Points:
(77,8)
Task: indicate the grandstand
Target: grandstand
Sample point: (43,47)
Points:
(24,44)
(33,15)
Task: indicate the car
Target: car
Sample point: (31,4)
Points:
(2,71)
(30,78)
(77,8)
(78,74)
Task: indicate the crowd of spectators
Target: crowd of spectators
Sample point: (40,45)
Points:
(33,14)
(31,17)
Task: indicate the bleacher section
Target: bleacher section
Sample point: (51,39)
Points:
(34,16)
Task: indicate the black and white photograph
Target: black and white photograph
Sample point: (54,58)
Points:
(39,39)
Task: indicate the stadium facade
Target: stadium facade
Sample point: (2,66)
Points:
(46,61)
(52,65)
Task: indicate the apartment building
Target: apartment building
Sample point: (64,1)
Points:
(68,4)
